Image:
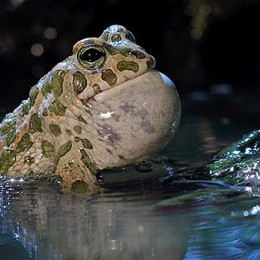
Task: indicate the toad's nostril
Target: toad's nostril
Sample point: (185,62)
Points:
(138,54)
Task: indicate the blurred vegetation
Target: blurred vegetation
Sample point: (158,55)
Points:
(197,43)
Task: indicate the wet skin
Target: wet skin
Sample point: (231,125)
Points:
(105,106)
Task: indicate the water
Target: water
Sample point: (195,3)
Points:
(172,212)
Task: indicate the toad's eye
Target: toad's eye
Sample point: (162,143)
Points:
(91,56)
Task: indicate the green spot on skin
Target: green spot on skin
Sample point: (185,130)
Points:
(81,119)
(109,76)
(8,128)
(33,94)
(86,144)
(47,148)
(68,132)
(25,108)
(45,112)
(79,82)
(29,160)
(29,173)
(79,186)
(78,129)
(128,65)
(57,108)
(46,88)
(35,124)
(56,82)
(62,151)
(24,144)
(55,129)
(86,160)
(117,50)
(77,139)
(7,159)
(96,88)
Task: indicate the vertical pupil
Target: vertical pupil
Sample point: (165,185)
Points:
(92,55)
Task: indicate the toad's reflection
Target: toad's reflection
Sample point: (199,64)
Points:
(52,225)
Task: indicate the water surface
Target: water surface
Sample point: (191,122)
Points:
(172,212)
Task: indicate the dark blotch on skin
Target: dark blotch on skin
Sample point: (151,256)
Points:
(121,157)
(62,151)
(109,76)
(47,148)
(33,94)
(138,54)
(96,88)
(79,186)
(147,127)
(79,82)
(55,129)
(128,108)
(24,144)
(108,132)
(56,82)
(7,159)
(35,124)
(127,65)
(8,128)
(86,160)
(81,119)
(117,50)
(57,108)
(86,144)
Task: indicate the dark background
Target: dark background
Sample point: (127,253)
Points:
(197,43)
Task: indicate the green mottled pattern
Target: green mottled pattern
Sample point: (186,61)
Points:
(79,82)
(47,148)
(35,124)
(79,186)
(86,160)
(46,88)
(96,88)
(78,129)
(63,150)
(127,65)
(33,94)
(118,50)
(77,139)
(86,144)
(8,128)
(56,82)
(7,159)
(55,129)
(24,144)
(109,76)
(25,108)
(57,108)
(68,132)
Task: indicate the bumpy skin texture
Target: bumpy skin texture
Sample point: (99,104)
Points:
(70,128)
